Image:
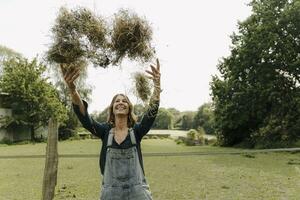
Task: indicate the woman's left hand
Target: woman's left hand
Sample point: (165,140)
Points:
(155,74)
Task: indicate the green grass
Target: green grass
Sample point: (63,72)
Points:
(269,176)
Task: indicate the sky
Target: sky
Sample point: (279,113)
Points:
(190,38)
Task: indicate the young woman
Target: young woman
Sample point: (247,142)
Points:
(121,161)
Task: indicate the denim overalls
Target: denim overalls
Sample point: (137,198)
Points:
(123,176)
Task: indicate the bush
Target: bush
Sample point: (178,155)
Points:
(192,134)
(65,133)
(195,137)
(274,134)
(6,141)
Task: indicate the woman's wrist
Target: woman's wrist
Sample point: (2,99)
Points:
(72,91)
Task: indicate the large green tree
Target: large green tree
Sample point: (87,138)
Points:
(257,96)
(32,98)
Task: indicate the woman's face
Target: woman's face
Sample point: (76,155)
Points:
(120,106)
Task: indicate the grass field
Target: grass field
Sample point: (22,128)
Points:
(265,176)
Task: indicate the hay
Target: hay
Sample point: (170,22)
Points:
(131,36)
(78,37)
(142,86)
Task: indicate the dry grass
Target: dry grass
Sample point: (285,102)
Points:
(79,37)
(131,36)
(143,87)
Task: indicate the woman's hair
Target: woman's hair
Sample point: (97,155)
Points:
(131,116)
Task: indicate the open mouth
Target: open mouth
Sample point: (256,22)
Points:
(120,107)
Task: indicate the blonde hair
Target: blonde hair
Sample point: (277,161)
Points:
(132,119)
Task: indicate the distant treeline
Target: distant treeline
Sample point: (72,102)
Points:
(171,118)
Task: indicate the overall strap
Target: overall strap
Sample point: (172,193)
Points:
(111,135)
(110,138)
(132,136)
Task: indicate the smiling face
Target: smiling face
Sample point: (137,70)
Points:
(120,105)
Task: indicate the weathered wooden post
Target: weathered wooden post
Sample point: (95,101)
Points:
(51,163)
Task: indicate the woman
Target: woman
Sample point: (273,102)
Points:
(121,160)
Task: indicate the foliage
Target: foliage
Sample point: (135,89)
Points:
(67,130)
(7,53)
(176,116)
(163,120)
(205,118)
(102,116)
(33,100)
(187,120)
(6,141)
(195,137)
(257,98)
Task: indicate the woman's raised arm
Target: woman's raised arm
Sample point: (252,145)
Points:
(70,76)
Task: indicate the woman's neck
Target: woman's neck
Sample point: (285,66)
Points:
(121,122)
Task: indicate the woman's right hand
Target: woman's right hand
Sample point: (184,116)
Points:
(70,76)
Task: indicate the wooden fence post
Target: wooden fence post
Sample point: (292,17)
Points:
(51,163)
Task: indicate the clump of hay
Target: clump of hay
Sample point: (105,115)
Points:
(142,86)
(78,37)
(131,36)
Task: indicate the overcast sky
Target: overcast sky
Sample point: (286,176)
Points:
(190,38)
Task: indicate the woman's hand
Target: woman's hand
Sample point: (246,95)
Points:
(155,74)
(70,76)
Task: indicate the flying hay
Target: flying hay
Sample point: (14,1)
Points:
(131,36)
(142,86)
(78,37)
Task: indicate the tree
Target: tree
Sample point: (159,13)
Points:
(187,120)
(205,118)
(32,98)
(7,53)
(177,115)
(163,120)
(258,91)
(101,116)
